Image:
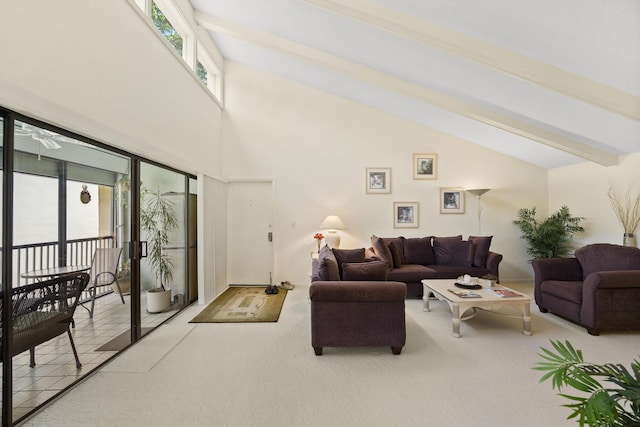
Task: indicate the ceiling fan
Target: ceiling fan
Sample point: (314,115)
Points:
(47,138)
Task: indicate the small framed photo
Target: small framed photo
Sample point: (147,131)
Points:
(405,214)
(452,200)
(378,180)
(425,166)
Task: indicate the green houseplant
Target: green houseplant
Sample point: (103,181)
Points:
(550,237)
(157,220)
(616,403)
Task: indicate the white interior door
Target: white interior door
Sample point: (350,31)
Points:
(250,219)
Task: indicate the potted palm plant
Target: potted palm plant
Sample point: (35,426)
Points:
(157,220)
(550,237)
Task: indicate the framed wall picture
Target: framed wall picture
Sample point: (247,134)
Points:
(378,180)
(425,166)
(452,200)
(405,214)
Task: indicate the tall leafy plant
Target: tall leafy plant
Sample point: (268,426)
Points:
(157,220)
(551,237)
(614,403)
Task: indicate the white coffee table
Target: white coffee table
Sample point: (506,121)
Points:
(488,301)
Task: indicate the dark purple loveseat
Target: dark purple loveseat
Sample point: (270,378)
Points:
(598,289)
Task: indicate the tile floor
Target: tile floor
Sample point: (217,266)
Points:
(55,365)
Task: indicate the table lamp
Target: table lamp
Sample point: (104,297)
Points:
(332,223)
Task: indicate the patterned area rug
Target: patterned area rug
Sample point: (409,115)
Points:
(243,304)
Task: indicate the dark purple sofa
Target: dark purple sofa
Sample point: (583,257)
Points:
(357,313)
(412,259)
(598,289)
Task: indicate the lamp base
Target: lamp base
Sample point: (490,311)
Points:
(332,239)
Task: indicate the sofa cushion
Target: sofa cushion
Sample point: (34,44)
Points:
(443,249)
(362,271)
(418,250)
(347,256)
(412,273)
(399,244)
(382,250)
(462,253)
(565,289)
(606,257)
(481,246)
(454,271)
(396,255)
(327,265)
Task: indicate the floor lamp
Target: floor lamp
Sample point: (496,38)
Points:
(479,192)
(332,223)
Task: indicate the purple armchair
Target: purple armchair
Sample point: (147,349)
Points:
(598,289)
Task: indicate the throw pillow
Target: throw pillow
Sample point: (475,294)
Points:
(443,249)
(382,250)
(462,253)
(374,270)
(395,255)
(327,265)
(348,255)
(480,249)
(418,250)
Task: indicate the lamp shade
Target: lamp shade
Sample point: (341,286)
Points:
(333,222)
(478,191)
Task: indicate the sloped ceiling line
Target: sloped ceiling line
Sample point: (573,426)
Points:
(486,54)
(380,79)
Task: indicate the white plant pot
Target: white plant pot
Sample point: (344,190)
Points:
(158,300)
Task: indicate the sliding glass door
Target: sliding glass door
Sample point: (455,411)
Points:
(70,204)
(68,211)
(167,232)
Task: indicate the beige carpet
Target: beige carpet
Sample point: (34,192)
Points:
(240,304)
(266,374)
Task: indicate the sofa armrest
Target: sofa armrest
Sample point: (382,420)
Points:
(612,279)
(556,269)
(610,299)
(315,266)
(357,291)
(493,261)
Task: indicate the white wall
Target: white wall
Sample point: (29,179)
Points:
(98,69)
(316,147)
(583,188)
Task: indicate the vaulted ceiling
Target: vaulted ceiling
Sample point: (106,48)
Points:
(551,82)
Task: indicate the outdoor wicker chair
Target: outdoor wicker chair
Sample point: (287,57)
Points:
(42,311)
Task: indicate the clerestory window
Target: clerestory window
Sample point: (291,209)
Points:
(166,29)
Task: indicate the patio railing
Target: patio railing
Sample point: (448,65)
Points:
(38,256)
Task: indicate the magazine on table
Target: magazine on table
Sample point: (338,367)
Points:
(505,293)
(462,293)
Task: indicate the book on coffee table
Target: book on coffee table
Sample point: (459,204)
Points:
(505,293)
(464,293)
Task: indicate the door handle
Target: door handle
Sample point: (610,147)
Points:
(143,249)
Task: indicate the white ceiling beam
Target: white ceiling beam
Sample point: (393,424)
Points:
(486,54)
(392,83)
